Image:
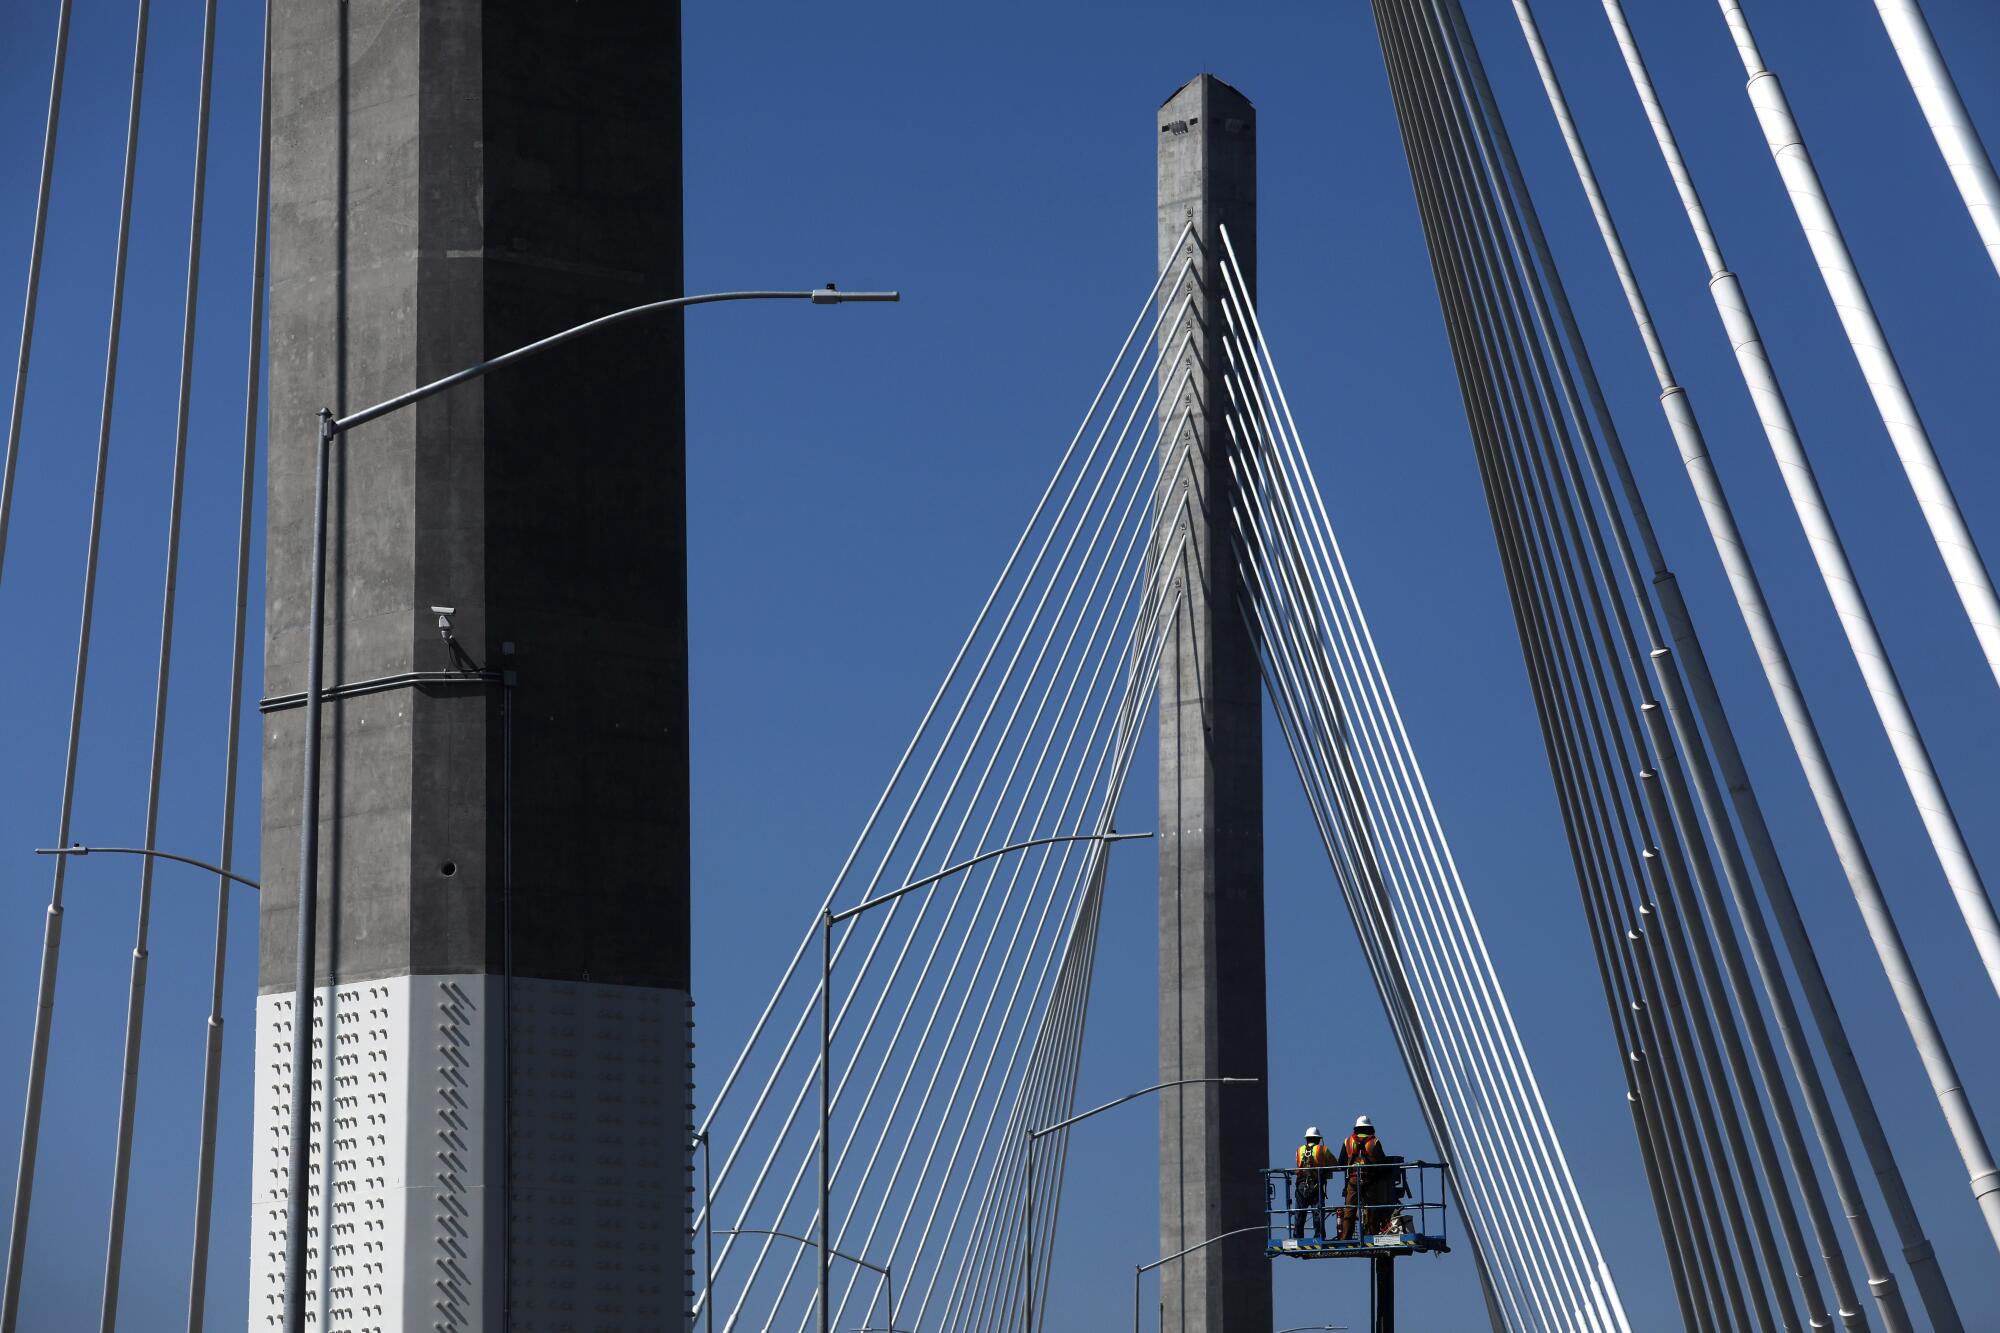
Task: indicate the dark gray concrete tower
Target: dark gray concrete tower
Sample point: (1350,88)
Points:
(501,1031)
(1212,1138)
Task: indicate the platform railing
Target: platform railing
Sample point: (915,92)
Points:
(1362,1209)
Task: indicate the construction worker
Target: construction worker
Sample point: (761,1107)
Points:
(1368,1182)
(1313,1167)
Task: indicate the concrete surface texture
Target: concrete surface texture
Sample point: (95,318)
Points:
(451,181)
(1212,1016)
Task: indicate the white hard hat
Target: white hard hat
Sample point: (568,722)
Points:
(1312,1131)
(1363,1122)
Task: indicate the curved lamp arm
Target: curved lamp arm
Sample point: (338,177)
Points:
(78,849)
(827,295)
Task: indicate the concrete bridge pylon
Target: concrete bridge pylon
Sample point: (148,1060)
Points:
(1213,1137)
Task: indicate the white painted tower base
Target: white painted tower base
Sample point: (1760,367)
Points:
(407,1213)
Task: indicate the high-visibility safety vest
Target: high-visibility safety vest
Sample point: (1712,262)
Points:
(1313,1161)
(1361,1150)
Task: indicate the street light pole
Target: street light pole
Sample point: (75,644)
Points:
(330,429)
(1035,1136)
(707,1235)
(828,919)
(826,1112)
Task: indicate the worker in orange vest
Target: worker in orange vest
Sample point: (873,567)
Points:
(1368,1180)
(1314,1166)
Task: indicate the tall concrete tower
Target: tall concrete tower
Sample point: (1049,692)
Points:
(1213,1137)
(500,1041)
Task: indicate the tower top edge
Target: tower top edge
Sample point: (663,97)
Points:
(1210,88)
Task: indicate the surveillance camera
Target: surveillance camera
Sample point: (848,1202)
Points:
(444,610)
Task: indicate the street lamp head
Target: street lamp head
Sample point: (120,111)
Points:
(832,295)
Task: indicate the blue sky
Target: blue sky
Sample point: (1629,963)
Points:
(857,475)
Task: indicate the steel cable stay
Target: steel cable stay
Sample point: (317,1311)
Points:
(1034,521)
(1049,1082)
(1349,611)
(1660,804)
(1420,179)
(1386,972)
(1045,1086)
(1506,170)
(1050,1193)
(135,994)
(1146,670)
(1001,745)
(923,1241)
(1048,1097)
(1441,1011)
(1384,792)
(1724,1256)
(1362,850)
(1363,845)
(1578,794)
(1501,528)
(1385,795)
(24,1179)
(979,798)
(1579,790)
(1403,1024)
(1119,755)
(1052,528)
(923,785)
(983,1219)
(43,187)
(1001,1285)
(1682,423)
(1447,289)
(979,1139)
(1875,357)
(972,745)
(1062,819)
(211,1099)
(988,839)
(1473,401)
(1781,432)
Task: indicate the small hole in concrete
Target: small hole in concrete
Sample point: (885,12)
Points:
(448,869)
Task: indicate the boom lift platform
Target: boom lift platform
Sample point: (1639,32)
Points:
(1381,1212)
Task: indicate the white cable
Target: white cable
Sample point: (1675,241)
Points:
(951,671)
(1108,799)
(135,992)
(1774,414)
(1366,851)
(999,637)
(1405,759)
(1877,360)
(1129,710)
(43,186)
(1944,111)
(31,1119)
(1328,546)
(916,1059)
(860,977)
